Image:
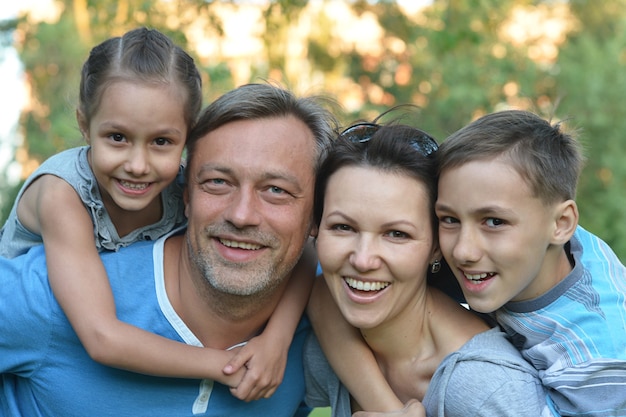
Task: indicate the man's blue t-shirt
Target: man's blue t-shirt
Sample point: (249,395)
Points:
(46,371)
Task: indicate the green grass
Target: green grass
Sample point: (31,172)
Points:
(320,412)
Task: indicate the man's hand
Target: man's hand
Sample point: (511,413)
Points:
(412,408)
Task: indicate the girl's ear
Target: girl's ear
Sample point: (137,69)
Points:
(83,125)
(566,221)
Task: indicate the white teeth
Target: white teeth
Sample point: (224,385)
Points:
(477,277)
(134,185)
(239,245)
(366,285)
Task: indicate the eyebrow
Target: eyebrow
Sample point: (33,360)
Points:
(384,225)
(213,167)
(482,211)
(339,213)
(117,126)
(442,207)
(494,210)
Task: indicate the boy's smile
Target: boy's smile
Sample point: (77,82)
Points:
(496,236)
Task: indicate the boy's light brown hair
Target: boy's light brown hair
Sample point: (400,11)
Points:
(548,159)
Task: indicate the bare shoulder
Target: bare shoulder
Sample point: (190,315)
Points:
(455,325)
(46,195)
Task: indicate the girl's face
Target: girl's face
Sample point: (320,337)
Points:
(137,137)
(375,243)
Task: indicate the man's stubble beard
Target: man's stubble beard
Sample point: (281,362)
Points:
(255,285)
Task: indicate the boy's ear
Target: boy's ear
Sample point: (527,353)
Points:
(566,221)
(82,125)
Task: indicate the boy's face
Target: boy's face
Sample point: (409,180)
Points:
(495,234)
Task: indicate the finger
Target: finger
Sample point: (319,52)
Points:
(269,393)
(256,392)
(260,390)
(235,363)
(244,390)
(238,393)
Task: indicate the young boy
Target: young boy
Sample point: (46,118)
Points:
(508,229)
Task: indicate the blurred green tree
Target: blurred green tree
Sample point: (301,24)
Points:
(591,78)
(454,60)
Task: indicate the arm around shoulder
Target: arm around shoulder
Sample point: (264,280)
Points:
(81,286)
(496,382)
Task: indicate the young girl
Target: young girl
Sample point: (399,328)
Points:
(139,96)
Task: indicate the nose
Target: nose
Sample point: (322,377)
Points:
(366,254)
(467,246)
(243,209)
(137,161)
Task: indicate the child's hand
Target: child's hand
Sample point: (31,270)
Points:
(231,379)
(264,367)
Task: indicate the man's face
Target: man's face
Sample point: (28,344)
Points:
(249,202)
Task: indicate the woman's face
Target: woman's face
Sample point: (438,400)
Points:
(375,243)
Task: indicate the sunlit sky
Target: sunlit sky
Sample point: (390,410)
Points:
(10,67)
(11,84)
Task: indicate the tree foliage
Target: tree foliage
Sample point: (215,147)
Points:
(454,60)
(591,78)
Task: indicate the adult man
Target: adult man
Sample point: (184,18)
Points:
(251,170)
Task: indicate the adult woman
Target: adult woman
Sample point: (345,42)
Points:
(376,242)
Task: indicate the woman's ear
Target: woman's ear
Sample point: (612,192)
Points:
(566,221)
(83,125)
(314,231)
(436,254)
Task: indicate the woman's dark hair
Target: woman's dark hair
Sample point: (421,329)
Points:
(392,148)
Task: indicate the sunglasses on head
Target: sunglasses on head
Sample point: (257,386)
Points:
(363,132)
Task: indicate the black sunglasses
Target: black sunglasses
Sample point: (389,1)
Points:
(363,132)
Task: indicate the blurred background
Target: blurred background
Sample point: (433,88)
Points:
(454,59)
